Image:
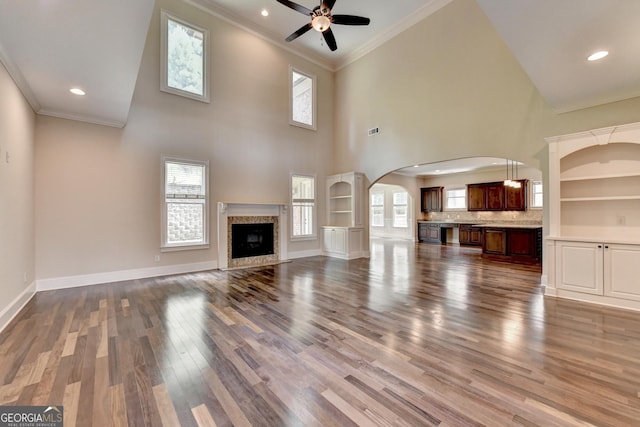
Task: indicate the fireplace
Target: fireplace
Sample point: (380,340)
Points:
(252,240)
(252,245)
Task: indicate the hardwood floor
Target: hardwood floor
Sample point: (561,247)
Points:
(416,335)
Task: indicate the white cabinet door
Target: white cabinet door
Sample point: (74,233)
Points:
(580,267)
(335,240)
(622,271)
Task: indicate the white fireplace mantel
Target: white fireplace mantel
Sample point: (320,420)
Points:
(228,209)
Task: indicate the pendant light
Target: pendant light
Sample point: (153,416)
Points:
(510,181)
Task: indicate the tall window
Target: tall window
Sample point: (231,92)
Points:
(536,194)
(456,198)
(377,209)
(400,210)
(185,213)
(184,58)
(303,203)
(302,102)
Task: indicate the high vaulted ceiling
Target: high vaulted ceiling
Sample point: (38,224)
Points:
(51,45)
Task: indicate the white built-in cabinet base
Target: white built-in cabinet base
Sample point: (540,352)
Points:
(595,271)
(343,242)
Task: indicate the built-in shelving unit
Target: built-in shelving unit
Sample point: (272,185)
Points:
(344,235)
(593,250)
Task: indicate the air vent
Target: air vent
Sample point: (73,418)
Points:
(374,131)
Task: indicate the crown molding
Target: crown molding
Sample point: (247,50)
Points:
(19,79)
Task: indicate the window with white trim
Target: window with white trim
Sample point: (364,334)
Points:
(400,210)
(456,198)
(185,208)
(377,209)
(185,60)
(302,99)
(536,194)
(303,205)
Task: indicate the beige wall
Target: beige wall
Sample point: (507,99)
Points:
(16,198)
(98,188)
(449,88)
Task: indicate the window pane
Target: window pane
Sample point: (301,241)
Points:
(185,222)
(377,199)
(185,58)
(400,216)
(377,216)
(184,180)
(302,187)
(302,219)
(537,195)
(456,198)
(302,98)
(400,198)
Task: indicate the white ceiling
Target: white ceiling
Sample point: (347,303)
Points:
(456,166)
(51,45)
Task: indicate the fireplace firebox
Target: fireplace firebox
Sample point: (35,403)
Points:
(251,240)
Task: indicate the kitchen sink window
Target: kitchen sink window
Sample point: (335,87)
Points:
(456,198)
(536,194)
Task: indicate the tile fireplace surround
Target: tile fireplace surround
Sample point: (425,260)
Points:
(250,213)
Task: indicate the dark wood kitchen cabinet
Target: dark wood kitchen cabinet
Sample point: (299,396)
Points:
(515,199)
(495,196)
(476,200)
(431,199)
(470,235)
(514,244)
(430,233)
(494,241)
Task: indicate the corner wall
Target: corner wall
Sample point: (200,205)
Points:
(17,234)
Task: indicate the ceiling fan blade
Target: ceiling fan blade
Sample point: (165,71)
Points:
(296,7)
(329,3)
(350,20)
(330,39)
(299,32)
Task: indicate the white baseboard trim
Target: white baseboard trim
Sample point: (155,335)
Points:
(305,254)
(14,307)
(119,276)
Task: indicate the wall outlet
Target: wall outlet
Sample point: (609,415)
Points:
(621,220)
(156,258)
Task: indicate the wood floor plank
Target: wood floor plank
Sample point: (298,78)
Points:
(416,335)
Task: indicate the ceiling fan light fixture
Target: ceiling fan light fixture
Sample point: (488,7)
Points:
(320,23)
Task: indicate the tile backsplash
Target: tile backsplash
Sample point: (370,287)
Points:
(532,216)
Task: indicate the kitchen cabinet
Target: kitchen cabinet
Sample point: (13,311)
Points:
(430,233)
(469,235)
(431,199)
(495,196)
(519,244)
(495,241)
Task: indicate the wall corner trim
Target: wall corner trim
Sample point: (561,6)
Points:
(15,306)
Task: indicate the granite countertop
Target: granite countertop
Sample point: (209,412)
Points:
(487,224)
(508,225)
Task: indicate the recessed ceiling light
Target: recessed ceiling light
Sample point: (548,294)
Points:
(264,12)
(597,55)
(415,166)
(77,91)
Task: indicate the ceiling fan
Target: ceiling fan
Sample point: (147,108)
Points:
(321,20)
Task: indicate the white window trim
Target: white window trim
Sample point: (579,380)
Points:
(164,86)
(445,201)
(314,235)
(314,120)
(532,196)
(164,247)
